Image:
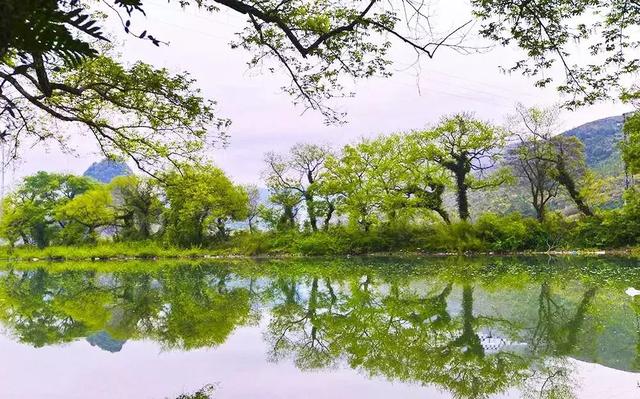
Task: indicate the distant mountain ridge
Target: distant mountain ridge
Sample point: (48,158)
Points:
(106,170)
(601,138)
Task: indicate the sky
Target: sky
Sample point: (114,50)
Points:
(265,119)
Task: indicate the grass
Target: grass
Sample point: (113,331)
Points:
(103,250)
(262,244)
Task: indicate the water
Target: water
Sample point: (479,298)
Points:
(340,328)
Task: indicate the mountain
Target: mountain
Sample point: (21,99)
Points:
(105,170)
(105,342)
(600,138)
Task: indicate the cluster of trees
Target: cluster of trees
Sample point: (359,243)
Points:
(192,206)
(59,74)
(394,183)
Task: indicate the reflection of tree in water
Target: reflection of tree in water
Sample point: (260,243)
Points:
(42,310)
(555,336)
(393,331)
(182,307)
(398,334)
(376,322)
(557,328)
(298,328)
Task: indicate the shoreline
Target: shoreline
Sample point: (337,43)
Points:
(197,254)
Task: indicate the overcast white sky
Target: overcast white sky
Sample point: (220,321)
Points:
(265,119)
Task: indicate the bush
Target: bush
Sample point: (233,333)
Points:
(505,233)
(456,237)
(320,243)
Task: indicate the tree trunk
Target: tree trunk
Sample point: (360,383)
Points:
(311,211)
(567,182)
(463,200)
(327,219)
(443,214)
(540,211)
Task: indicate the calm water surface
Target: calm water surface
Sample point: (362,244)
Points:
(341,328)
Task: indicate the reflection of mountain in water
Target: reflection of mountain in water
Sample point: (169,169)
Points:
(105,342)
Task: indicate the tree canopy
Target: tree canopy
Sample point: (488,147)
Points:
(56,63)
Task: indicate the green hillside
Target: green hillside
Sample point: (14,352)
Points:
(600,138)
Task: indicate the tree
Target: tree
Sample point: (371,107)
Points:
(91,210)
(201,200)
(359,196)
(301,171)
(570,168)
(29,212)
(57,75)
(253,210)
(386,179)
(318,43)
(425,180)
(138,205)
(548,31)
(530,157)
(315,43)
(468,148)
(547,160)
(139,112)
(631,144)
(288,201)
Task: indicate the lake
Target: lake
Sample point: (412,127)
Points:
(499,327)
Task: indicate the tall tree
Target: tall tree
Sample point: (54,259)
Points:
(469,149)
(386,179)
(138,205)
(530,157)
(570,163)
(301,171)
(425,180)
(89,211)
(359,196)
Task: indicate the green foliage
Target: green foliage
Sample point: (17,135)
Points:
(631,144)
(137,112)
(386,181)
(48,27)
(201,202)
(468,149)
(30,211)
(91,209)
(614,228)
(547,32)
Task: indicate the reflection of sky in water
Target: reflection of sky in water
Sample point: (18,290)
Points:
(143,370)
(321,331)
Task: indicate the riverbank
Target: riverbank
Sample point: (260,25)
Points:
(153,251)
